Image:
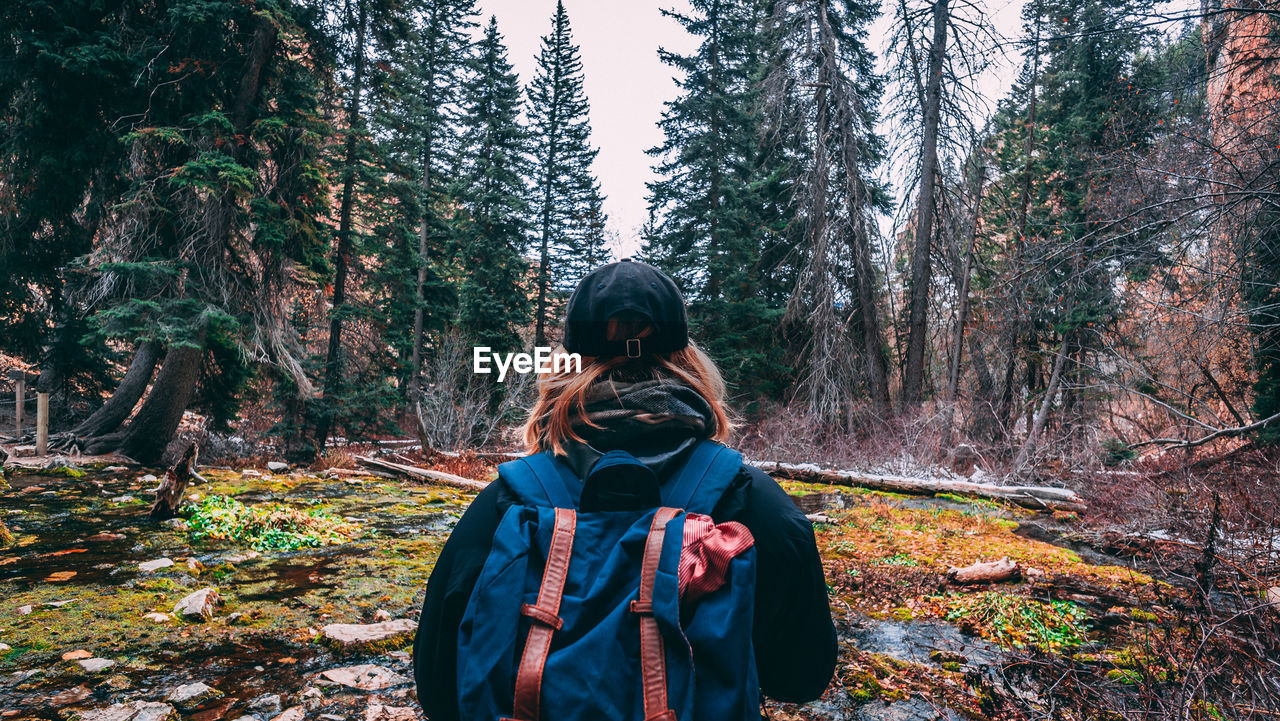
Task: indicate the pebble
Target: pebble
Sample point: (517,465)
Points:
(354,635)
(158,617)
(277,466)
(105,537)
(293,713)
(131,711)
(94,665)
(198,605)
(24,610)
(311,697)
(379,712)
(148,478)
(381,615)
(270,703)
(179,524)
(191,696)
(366,677)
(77,654)
(123,499)
(156,565)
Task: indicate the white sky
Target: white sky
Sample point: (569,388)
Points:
(627,85)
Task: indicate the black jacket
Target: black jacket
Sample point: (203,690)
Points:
(795,641)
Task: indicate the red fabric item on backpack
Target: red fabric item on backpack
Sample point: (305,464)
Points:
(708,549)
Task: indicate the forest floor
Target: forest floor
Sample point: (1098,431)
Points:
(76,640)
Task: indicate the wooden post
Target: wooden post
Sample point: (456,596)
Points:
(19,399)
(42,423)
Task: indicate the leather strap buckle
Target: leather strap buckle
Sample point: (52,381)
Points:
(641,608)
(633,351)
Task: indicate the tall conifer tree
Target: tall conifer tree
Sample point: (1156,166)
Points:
(709,218)
(493,299)
(566,195)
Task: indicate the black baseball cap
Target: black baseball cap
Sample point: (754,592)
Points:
(622,289)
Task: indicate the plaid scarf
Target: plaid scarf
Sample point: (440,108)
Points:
(656,420)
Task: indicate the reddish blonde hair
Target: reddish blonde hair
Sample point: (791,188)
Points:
(562,394)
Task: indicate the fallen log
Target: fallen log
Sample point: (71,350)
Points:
(174,484)
(985,572)
(423,473)
(1034,497)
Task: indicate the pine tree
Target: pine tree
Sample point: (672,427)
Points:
(709,219)
(824,92)
(493,300)
(567,196)
(419,122)
(371,30)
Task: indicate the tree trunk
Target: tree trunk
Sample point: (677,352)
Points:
(921,265)
(121,403)
(149,433)
(169,495)
(1042,414)
(342,254)
(962,311)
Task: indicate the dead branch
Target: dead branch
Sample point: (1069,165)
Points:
(985,572)
(1036,497)
(423,473)
(1220,433)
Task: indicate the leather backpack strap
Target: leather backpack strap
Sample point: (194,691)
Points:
(545,616)
(653,660)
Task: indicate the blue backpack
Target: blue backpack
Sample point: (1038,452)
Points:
(576,615)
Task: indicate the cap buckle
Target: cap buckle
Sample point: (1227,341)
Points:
(633,351)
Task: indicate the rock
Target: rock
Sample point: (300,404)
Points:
(95,665)
(70,696)
(311,697)
(105,537)
(5,647)
(24,610)
(132,711)
(198,605)
(401,656)
(250,473)
(148,478)
(1273,597)
(248,717)
(115,469)
(331,717)
(126,498)
(240,557)
(268,703)
(76,655)
(194,565)
(158,617)
(366,677)
(277,466)
(191,696)
(378,712)
(55,604)
(381,615)
(366,637)
(293,713)
(156,565)
(234,618)
(177,524)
